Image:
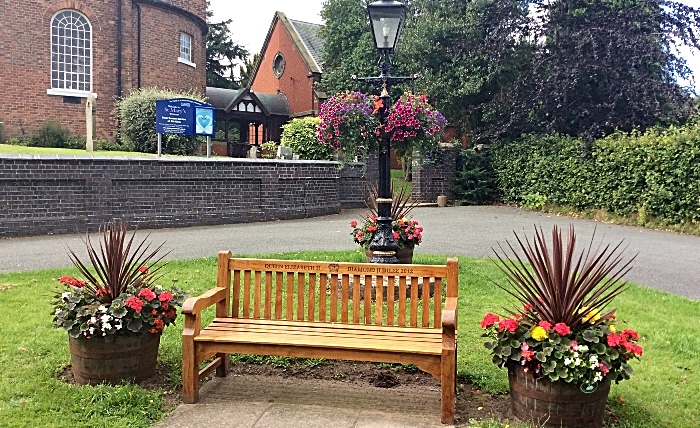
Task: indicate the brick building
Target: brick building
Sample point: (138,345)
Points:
(56,52)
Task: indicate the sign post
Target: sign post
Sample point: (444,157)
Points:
(183,116)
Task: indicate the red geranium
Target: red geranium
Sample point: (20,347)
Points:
(147,294)
(562,329)
(165,296)
(614,339)
(489,320)
(134,303)
(508,324)
(545,325)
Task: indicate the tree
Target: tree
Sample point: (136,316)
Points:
(602,65)
(222,54)
(246,70)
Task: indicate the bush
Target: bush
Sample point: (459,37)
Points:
(17,142)
(50,134)
(300,135)
(109,146)
(475,183)
(655,173)
(137,116)
(268,150)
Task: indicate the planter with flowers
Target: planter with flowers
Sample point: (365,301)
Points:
(115,316)
(565,347)
(407,232)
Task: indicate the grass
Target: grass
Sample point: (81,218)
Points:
(399,183)
(24,150)
(663,391)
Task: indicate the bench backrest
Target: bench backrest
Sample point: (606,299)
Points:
(410,295)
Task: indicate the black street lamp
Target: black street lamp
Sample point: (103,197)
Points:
(386,21)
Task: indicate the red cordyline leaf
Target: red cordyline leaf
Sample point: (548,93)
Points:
(116,266)
(559,285)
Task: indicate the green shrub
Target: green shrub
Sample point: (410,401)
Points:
(74,142)
(109,146)
(137,116)
(475,183)
(656,173)
(300,136)
(17,142)
(268,150)
(50,134)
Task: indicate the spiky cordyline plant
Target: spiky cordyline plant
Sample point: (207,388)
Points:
(401,203)
(116,266)
(561,286)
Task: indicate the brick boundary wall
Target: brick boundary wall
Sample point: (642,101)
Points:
(431,180)
(68,194)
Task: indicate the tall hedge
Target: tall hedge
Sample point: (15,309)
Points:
(137,122)
(656,173)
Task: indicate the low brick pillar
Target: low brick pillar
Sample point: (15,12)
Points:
(434,179)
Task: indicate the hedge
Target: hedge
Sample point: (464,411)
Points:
(300,136)
(656,173)
(137,123)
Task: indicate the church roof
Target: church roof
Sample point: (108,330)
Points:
(245,100)
(308,34)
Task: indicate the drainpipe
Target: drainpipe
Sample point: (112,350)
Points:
(119,48)
(138,45)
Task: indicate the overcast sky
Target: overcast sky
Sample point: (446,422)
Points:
(251,19)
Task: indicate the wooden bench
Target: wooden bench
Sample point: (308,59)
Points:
(326,310)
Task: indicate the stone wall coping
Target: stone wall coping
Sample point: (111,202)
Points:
(173,159)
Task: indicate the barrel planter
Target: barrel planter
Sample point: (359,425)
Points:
(130,358)
(404,255)
(556,404)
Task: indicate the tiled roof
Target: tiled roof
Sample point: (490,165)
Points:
(308,33)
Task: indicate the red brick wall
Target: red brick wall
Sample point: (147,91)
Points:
(294,82)
(25,60)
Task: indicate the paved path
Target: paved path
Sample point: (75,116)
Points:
(666,261)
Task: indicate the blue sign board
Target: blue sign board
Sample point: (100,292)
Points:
(184,116)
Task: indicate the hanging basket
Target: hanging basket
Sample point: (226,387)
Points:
(129,358)
(556,404)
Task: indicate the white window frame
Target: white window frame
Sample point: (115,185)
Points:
(65,75)
(185,56)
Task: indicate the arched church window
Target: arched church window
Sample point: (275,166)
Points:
(71,52)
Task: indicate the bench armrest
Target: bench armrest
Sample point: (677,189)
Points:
(449,317)
(195,305)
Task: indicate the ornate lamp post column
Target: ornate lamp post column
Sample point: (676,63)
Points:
(386,21)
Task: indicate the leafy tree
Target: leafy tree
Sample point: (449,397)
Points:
(602,65)
(222,53)
(246,70)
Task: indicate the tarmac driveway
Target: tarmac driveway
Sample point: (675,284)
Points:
(666,261)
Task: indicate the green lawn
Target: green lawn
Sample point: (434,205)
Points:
(399,183)
(24,150)
(664,390)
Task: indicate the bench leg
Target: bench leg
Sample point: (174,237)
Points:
(223,368)
(448,383)
(190,372)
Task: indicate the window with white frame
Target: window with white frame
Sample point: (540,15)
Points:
(71,52)
(186,47)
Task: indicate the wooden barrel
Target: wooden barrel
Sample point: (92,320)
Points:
(556,404)
(126,358)
(404,255)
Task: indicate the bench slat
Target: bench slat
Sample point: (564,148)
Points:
(322,293)
(356,299)
(437,303)
(312,298)
(290,295)
(246,294)
(402,301)
(345,297)
(301,294)
(321,340)
(414,302)
(236,293)
(390,301)
(278,294)
(422,337)
(379,298)
(268,295)
(257,292)
(334,298)
(337,268)
(340,326)
(426,302)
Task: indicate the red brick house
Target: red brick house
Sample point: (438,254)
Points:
(56,52)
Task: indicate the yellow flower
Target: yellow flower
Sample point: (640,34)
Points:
(538,333)
(612,328)
(591,317)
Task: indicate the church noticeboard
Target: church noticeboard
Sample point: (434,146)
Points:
(184,116)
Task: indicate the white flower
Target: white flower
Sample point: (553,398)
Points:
(105,318)
(102,308)
(159,287)
(106,326)
(118,326)
(567,361)
(577,362)
(598,377)
(92,330)
(65,295)
(93,320)
(581,348)
(56,311)
(576,354)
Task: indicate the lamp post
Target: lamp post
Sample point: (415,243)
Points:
(386,21)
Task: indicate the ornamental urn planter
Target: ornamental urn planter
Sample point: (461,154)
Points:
(404,255)
(130,358)
(556,404)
